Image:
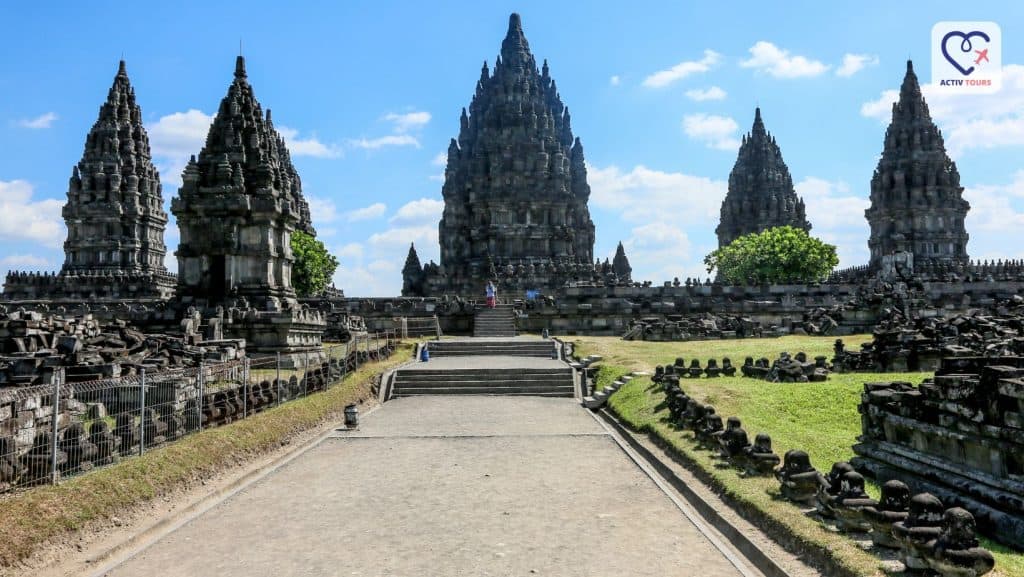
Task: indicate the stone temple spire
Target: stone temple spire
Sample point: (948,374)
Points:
(412,273)
(239,203)
(114,213)
(917,203)
(620,264)
(761,193)
(515,186)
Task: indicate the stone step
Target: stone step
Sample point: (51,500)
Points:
(474,384)
(500,373)
(566,393)
(413,382)
(492,353)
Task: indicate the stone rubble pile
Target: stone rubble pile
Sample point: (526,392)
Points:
(787,369)
(904,343)
(959,436)
(700,327)
(728,439)
(926,534)
(34,345)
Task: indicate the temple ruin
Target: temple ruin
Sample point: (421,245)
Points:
(515,190)
(761,193)
(917,208)
(239,203)
(114,215)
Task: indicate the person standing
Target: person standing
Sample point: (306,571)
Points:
(492,295)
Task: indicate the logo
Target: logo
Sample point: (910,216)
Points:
(967,57)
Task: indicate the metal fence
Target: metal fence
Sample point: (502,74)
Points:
(54,431)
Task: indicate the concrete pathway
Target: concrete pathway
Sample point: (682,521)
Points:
(446,486)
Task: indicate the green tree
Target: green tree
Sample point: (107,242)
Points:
(778,255)
(313,266)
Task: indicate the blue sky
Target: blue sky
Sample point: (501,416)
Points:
(369,94)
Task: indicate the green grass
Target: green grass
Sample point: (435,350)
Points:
(32,518)
(820,418)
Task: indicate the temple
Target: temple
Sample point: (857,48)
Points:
(239,203)
(917,210)
(515,190)
(114,215)
(761,193)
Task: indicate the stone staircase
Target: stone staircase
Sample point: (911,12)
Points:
(546,382)
(492,347)
(497,322)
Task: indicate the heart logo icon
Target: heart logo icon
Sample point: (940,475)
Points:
(965,47)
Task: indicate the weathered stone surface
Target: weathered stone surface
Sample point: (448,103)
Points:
(953,436)
(114,214)
(239,203)
(515,188)
(917,209)
(761,193)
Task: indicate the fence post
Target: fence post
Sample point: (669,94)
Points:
(344,363)
(142,411)
(278,379)
(245,387)
(202,393)
(57,378)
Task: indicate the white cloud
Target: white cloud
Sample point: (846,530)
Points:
(408,121)
(666,77)
(24,260)
(660,210)
(384,141)
(375,210)
(614,80)
(44,120)
(24,219)
(421,210)
(713,130)
(854,63)
(712,93)
(441,159)
(837,217)
(402,236)
(174,138)
(769,58)
(352,250)
(976,121)
(310,146)
(643,194)
(322,210)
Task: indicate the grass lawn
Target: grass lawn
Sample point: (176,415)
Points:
(820,418)
(31,518)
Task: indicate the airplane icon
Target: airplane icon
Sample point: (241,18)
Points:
(982,55)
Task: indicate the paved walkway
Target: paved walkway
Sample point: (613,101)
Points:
(446,486)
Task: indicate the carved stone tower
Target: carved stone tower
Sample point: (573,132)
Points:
(114,215)
(917,203)
(515,188)
(761,193)
(238,205)
(620,264)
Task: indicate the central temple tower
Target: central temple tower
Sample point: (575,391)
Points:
(515,190)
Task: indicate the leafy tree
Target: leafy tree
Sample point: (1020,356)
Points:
(313,266)
(778,255)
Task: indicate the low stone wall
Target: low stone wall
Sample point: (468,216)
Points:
(959,436)
(610,310)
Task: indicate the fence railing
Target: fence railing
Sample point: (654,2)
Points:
(54,431)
